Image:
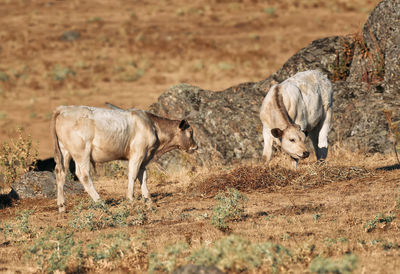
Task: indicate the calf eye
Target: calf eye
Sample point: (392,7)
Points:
(291,140)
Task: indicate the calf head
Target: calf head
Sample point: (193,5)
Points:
(292,141)
(184,137)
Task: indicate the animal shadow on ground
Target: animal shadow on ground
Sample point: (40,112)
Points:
(159,196)
(7,199)
(389,168)
(155,197)
(49,164)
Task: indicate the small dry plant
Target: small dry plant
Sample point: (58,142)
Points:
(374,58)
(394,132)
(341,66)
(16,157)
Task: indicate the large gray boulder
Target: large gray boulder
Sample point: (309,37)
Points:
(227,125)
(358,121)
(382,24)
(42,184)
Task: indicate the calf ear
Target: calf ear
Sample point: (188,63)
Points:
(276,132)
(184,125)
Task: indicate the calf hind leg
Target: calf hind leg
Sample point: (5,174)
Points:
(319,138)
(82,163)
(61,170)
(323,142)
(82,171)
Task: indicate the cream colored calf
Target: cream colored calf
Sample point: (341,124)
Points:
(299,105)
(96,135)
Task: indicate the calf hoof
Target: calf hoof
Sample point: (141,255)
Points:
(61,208)
(148,200)
(149,204)
(264,159)
(100,204)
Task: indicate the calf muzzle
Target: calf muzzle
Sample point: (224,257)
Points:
(305,154)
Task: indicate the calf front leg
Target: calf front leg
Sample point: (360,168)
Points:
(142,176)
(268,141)
(134,167)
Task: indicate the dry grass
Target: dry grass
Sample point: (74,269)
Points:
(270,179)
(320,213)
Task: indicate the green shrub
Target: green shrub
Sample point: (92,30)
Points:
(54,250)
(380,218)
(110,247)
(230,207)
(166,261)
(316,217)
(270,11)
(3,76)
(321,265)
(58,250)
(99,215)
(23,221)
(236,254)
(61,73)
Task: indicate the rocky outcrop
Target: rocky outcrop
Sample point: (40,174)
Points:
(381,26)
(380,46)
(227,125)
(358,121)
(42,184)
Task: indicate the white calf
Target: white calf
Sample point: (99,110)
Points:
(299,105)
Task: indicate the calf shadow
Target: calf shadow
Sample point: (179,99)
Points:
(159,196)
(6,200)
(49,164)
(389,168)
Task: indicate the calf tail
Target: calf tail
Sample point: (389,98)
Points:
(58,157)
(111,106)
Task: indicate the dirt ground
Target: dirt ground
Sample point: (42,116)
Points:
(331,210)
(129,52)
